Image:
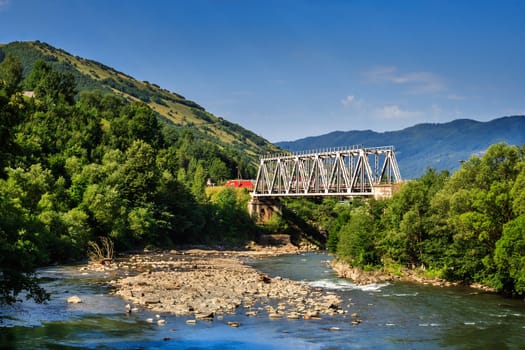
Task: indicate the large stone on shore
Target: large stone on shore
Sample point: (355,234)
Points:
(75,299)
(293,316)
(151,300)
(205,316)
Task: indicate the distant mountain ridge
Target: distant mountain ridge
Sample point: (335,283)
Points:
(91,75)
(440,146)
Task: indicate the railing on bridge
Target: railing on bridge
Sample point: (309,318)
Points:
(343,171)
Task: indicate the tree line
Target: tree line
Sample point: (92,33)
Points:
(75,168)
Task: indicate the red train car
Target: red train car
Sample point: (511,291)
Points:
(240,184)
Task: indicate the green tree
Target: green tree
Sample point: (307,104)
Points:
(471,210)
(406,221)
(138,177)
(357,239)
(10,75)
(509,257)
(105,205)
(50,84)
(199,183)
(230,222)
(38,72)
(143,125)
(28,186)
(517,193)
(19,251)
(180,217)
(143,224)
(12,108)
(218,171)
(342,217)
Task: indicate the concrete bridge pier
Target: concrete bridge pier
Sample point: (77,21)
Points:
(263,208)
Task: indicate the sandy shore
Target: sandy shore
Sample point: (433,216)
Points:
(208,283)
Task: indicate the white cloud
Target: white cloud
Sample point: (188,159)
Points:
(416,82)
(348,100)
(395,112)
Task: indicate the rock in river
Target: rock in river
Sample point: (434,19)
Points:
(75,299)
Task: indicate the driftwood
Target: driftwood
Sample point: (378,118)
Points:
(102,253)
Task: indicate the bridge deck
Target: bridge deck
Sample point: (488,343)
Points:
(344,171)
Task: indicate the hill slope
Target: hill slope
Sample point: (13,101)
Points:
(92,75)
(440,146)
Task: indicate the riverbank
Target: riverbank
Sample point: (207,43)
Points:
(359,276)
(206,284)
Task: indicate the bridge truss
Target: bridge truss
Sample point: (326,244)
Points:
(344,171)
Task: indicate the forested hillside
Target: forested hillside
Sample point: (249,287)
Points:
(78,168)
(91,75)
(438,146)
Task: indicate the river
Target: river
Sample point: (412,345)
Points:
(393,316)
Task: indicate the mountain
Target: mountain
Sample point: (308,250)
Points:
(170,106)
(440,146)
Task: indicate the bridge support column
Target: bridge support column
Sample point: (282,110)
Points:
(382,191)
(262,209)
(385,190)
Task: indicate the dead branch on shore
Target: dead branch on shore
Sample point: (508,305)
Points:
(102,253)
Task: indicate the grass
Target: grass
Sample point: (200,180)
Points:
(431,273)
(393,268)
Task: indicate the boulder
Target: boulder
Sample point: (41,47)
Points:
(205,316)
(74,300)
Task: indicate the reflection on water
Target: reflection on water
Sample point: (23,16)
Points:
(394,316)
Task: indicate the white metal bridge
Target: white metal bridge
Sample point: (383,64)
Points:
(344,171)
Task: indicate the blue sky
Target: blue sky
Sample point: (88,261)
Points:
(288,69)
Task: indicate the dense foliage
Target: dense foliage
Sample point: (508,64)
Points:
(74,170)
(468,227)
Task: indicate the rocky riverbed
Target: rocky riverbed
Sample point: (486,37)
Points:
(206,284)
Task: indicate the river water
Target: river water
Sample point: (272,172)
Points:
(393,315)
